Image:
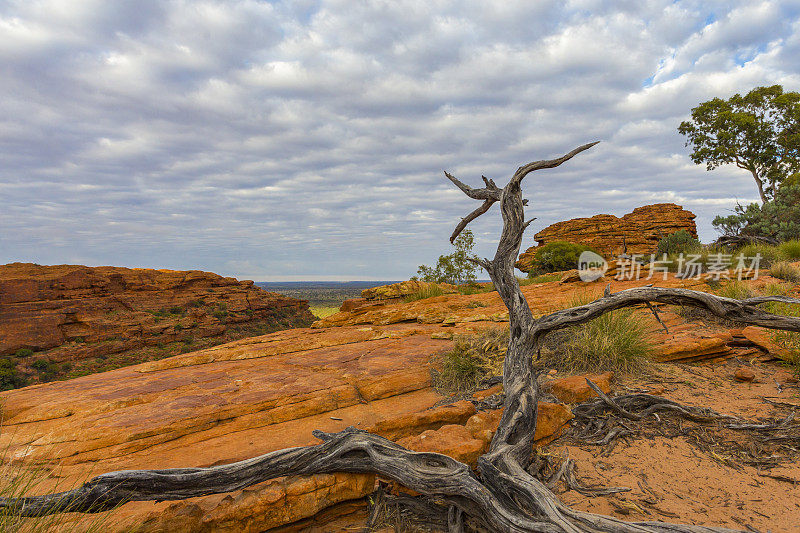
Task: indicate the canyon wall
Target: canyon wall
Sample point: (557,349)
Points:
(78,319)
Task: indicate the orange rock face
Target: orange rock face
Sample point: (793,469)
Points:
(70,313)
(637,232)
(574,389)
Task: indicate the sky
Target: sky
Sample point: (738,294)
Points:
(307,140)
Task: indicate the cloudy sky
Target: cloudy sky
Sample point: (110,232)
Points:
(306,140)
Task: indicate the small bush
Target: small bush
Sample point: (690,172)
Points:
(789,250)
(472,358)
(617,341)
(475,304)
(555,257)
(10,378)
(196,303)
(23,352)
(427,291)
(680,242)
(543,278)
(785,271)
(475,288)
(42,365)
(769,254)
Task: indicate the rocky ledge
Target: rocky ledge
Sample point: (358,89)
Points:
(69,320)
(637,232)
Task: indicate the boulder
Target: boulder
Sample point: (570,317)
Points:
(403,289)
(637,232)
(574,389)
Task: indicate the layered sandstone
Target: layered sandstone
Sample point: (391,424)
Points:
(637,232)
(241,400)
(70,314)
(368,367)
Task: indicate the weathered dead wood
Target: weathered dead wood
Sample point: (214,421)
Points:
(503,495)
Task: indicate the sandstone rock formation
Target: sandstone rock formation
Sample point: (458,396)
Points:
(240,400)
(81,319)
(367,367)
(637,232)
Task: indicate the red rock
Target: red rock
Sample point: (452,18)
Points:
(744,374)
(637,232)
(452,440)
(72,313)
(763,338)
(229,403)
(404,288)
(574,389)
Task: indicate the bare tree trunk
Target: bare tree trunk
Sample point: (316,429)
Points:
(760,184)
(503,496)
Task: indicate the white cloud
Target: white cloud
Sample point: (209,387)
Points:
(307,139)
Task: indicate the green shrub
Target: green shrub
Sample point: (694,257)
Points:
(543,278)
(454,268)
(472,358)
(23,352)
(427,291)
(769,254)
(789,250)
(196,303)
(10,378)
(736,290)
(617,341)
(680,242)
(785,271)
(555,257)
(777,219)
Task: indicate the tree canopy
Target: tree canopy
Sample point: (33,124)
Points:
(758,132)
(454,268)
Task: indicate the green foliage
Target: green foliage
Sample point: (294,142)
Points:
(617,341)
(758,132)
(542,278)
(680,242)
(769,254)
(472,358)
(789,250)
(23,352)
(475,288)
(556,256)
(736,290)
(454,268)
(430,290)
(221,311)
(777,219)
(196,303)
(10,378)
(785,271)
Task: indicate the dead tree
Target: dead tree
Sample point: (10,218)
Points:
(501,495)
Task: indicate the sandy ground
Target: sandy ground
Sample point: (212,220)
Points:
(674,479)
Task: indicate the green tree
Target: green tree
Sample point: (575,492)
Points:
(758,132)
(454,268)
(778,219)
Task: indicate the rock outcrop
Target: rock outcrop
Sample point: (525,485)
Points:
(241,400)
(81,319)
(637,232)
